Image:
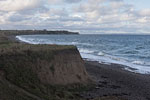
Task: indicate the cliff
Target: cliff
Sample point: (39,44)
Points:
(52,64)
(38,70)
(66,67)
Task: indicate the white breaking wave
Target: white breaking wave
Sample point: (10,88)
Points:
(108,60)
(40,41)
(30,40)
(74,43)
(78,43)
(85,51)
(138,62)
(23,39)
(101,54)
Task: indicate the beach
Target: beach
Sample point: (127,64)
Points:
(113,80)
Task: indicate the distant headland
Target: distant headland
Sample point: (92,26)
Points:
(32,32)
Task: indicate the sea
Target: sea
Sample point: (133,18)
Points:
(133,51)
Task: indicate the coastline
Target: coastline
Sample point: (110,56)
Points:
(114,81)
(138,63)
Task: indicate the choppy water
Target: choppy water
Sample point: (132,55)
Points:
(130,50)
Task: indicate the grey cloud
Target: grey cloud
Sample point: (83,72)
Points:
(41,9)
(17,5)
(116,0)
(71,19)
(84,16)
(18,18)
(72,1)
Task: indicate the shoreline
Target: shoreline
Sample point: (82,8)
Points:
(129,66)
(112,80)
(115,65)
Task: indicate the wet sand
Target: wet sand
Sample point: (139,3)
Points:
(113,80)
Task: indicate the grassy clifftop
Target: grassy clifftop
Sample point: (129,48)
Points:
(40,72)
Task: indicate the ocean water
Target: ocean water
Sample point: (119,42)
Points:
(129,50)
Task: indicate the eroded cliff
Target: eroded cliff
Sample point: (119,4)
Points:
(39,69)
(66,67)
(52,64)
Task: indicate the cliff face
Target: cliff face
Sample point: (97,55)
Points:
(66,67)
(49,64)
(40,72)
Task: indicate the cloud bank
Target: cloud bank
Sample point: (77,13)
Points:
(85,16)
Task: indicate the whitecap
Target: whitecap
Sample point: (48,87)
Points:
(85,44)
(85,50)
(101,54)
(31,41)
(74,43)
(138,62)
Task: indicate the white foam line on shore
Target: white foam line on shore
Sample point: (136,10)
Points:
(24,40)
(137,68)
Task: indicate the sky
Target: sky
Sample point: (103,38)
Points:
(84,16)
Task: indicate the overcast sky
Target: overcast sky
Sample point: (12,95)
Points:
(84,16)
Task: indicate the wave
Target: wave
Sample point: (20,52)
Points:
(33,40)
(131,52)
(40,41)
(138,62)
(30,41)
(84,44)
(136,67)
(101,53)
(74,43)
(85,50)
